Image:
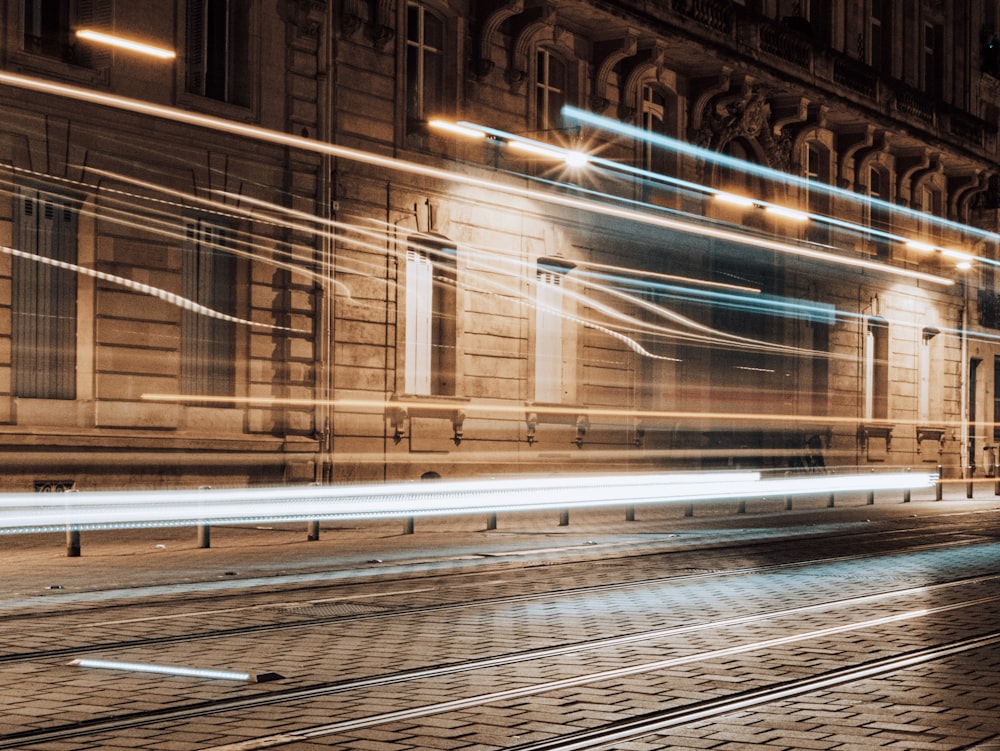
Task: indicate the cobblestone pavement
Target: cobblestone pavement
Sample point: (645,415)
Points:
(456,637)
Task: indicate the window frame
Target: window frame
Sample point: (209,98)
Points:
(208,350)
(237,77)
(430,330)
(44,327)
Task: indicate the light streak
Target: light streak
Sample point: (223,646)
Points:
(124,43)
(306,144)
(143,667)
(456,129)
(48,512)
(145,289)
(673,144)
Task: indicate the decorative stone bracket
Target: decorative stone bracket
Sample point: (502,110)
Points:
(400,409)
(930,433)
(869,430)
(556,414)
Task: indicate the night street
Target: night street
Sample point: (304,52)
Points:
(857,627)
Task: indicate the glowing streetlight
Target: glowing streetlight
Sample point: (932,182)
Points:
(131,45)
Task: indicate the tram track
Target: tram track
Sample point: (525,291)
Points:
(392,612)
(202,709)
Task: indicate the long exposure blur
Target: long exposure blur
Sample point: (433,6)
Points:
(308,244)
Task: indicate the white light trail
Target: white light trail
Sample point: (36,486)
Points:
(390,163)
(145,289)
(682,147)
(47,512)
(142,667)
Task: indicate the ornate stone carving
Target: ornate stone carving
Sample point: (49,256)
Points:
(306,16)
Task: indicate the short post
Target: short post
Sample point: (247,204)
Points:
(72,542)
(491,521)
(630,513)
(871,497)
(968,483)
(313,533)
(564,518)
(408,526)
(741,507)
(788,503)
(906,493)
(689,510)
(939,485)
(830,501)
(204,536)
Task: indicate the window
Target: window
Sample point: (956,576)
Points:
(818,200)
(43,298)
(49,27)
(208,343)
(877,369)
(878,28)
(932,69)
(877,212)
(218,50)
(550,90)
(431,317)
(425,35)
(548,334)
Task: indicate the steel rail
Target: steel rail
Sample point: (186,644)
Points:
(74,651)
(86,728)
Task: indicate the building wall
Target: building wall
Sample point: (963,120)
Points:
(690,333)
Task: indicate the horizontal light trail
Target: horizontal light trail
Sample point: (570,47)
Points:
(266,135)
(486,410)
(48,512)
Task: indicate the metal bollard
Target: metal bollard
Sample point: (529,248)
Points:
(741,507)
(630,513)
(564,519)
(204,536)
(491,521)
(689,510)
(72,543)
(408,526)
(313,533)
(829,501)
(939,486)
(871,497)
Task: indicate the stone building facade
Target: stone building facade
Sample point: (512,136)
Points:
(310,249)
